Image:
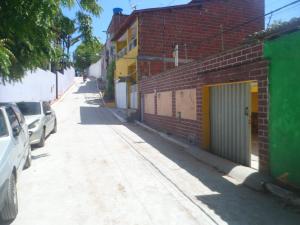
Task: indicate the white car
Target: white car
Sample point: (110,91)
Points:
(15,154)
(41,120)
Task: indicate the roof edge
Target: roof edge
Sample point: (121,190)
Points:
(133,15)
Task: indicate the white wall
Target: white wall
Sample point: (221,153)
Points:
(38,85)
(121,94)
(95,69)
(133,97)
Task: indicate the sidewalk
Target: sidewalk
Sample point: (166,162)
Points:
(242,174)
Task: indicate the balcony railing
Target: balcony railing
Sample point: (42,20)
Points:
(132,45)
(121,53)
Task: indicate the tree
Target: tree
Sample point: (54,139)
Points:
(87,53)
(31,32)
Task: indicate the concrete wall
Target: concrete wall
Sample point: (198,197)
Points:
(133,97)
(95,70)
(242,64)
(284,56)
(38,85)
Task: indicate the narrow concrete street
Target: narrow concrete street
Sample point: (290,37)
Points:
(97,171)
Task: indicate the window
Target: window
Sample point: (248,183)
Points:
(19,115)
(12,117)
(29,108)
(3,127)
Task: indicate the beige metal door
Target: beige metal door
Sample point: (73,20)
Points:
(230,108)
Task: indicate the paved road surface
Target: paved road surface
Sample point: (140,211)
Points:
(97,171)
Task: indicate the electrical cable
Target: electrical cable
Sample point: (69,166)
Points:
(252,20)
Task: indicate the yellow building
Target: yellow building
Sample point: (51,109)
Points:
(126,68)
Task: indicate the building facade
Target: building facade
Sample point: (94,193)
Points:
(149,39)
(219,103)
(241,104)
(284,109)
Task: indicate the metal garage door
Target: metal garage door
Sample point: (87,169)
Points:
(229,115)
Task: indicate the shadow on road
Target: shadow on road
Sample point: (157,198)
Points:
(94,116)
(89,86)
(235,204)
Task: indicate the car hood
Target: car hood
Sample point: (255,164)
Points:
(30,119)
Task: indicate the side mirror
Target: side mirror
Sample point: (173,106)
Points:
(16,131)
(48,113)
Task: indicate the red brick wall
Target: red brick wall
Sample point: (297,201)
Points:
(242,64)
(116,22)
(192,28)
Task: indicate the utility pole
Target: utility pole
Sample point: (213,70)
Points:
(56,83)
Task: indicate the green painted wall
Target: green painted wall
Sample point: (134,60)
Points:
(284,118)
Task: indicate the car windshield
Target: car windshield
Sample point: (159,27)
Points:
(30,108)
(3,128)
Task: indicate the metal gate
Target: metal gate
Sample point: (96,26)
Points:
(121,94)
(230,110)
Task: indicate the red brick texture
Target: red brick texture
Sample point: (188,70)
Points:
(196,30)
(241,64)
(116,22)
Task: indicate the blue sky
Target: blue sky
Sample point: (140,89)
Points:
(101,23)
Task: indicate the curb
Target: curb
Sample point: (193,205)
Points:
(60,98)
(122,120)
(242,174)
(163,135)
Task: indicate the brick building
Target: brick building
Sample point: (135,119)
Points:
(219,103)
(145,43)
(235,104)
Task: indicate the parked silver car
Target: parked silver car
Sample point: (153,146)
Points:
(15,154)
(41,120)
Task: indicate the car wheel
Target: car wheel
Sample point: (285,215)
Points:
(10,209)
(55,127)
(43,138)
(28,160)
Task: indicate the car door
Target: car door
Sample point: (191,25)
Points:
(16,137)
(24,135)
(5,153)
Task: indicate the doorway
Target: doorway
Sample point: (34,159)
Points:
(254,126)
(233,122)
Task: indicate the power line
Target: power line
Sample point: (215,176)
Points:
(249,21)
(259,17)
(79,4)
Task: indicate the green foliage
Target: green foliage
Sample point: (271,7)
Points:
(6,57)
(91,6)
(87,53)
(35,30)
(85,27)
(26,24)
(110,88)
